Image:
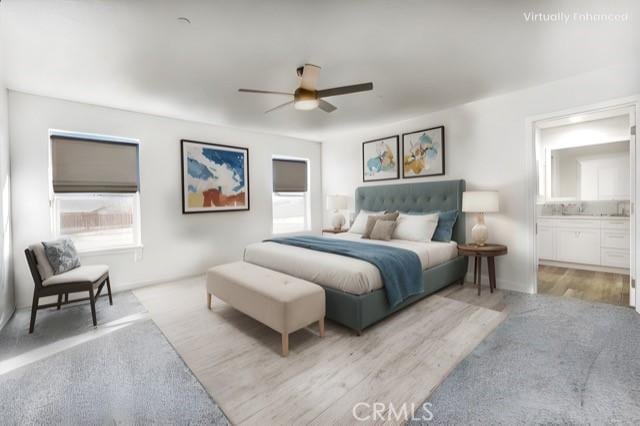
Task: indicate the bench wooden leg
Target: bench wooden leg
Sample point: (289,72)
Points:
(321,326)
(209,300)
(285,344)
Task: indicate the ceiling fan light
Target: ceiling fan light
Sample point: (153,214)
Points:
(306,104)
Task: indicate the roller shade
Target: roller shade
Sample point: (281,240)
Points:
(86,165)
(289,175)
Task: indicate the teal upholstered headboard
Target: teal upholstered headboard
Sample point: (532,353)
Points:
(422,197)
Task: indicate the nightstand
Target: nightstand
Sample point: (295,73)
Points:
(490,251)
(334,231)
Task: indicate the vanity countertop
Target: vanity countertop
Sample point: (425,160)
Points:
(583,216)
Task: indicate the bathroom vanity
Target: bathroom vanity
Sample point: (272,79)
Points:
(584,242)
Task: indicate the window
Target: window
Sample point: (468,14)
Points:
(95,191)
(290,196)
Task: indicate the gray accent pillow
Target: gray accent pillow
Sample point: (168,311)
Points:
(371,221)
(382,230)
(62,255)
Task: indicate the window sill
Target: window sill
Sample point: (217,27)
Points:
(290,233)
(111,250)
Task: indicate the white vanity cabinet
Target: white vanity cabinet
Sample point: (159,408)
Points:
(591,241)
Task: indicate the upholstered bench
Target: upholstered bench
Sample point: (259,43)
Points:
(279,301)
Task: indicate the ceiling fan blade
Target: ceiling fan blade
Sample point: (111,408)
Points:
(310,77)
(326,106)
(278,107)
(266,92)
(344,90)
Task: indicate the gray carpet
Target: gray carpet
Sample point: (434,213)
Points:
(130,376)
(552,361)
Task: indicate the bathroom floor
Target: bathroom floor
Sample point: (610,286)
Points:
(592,286)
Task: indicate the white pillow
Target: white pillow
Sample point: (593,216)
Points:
(360,224)
(415,227)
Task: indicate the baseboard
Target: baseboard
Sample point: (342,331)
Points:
(500,283)
(5,318)
(597,268)
(119,288)
(141,284)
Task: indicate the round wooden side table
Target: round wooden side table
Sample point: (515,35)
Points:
(490,251)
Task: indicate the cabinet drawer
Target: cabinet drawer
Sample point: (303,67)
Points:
(615,257)
(614,239)
(622,225)
(578,224)
(549,223)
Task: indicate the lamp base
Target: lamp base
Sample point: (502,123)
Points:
(337,221)
(479,232)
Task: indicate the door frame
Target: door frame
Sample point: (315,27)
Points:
(632,104)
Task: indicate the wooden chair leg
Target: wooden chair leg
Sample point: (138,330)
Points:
(92,299)
(59,301)
(321,326)
(285,344)
(209,300)
(34,310)
(109,290)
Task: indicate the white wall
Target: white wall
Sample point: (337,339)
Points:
(7,304)
(486,144)
(613,129)
(175,245)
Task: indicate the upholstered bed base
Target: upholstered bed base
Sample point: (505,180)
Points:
(361,311)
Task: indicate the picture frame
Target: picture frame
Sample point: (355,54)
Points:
(381,159)
(215,177)
(423,153)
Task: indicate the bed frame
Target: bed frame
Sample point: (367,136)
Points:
(361,311)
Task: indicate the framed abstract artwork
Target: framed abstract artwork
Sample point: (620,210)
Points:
(380,160)
(423,153)
(215,178)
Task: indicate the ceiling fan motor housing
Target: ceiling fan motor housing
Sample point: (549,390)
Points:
(304,95)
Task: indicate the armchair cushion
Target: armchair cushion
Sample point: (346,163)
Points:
(81,274)
(44,267)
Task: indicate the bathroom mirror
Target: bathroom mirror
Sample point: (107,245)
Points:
(589,173)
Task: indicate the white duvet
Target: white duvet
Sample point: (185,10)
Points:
(341,272)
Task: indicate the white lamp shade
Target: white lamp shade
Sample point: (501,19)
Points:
(480,202)
(337,202)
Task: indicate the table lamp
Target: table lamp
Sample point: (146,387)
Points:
(480,202)
(337,203)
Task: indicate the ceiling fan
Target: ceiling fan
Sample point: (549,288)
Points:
(307,97)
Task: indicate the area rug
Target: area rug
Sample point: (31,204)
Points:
(554,360)
(332,380)
(123,372)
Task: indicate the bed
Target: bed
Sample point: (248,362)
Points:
(355,296)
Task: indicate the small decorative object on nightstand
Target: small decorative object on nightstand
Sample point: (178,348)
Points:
(490,251)
(480,202)
(337,203)
(334,231)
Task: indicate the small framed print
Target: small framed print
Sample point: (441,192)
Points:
(380,159)
(423,153)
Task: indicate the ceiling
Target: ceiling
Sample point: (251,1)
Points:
(421,55)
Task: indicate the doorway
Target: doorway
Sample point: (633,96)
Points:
(584,205)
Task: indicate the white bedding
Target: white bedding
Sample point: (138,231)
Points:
(341,272)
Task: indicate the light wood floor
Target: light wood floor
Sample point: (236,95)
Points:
(401,360)
(587,285)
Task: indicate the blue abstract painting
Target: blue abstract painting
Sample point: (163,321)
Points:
(214,178)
